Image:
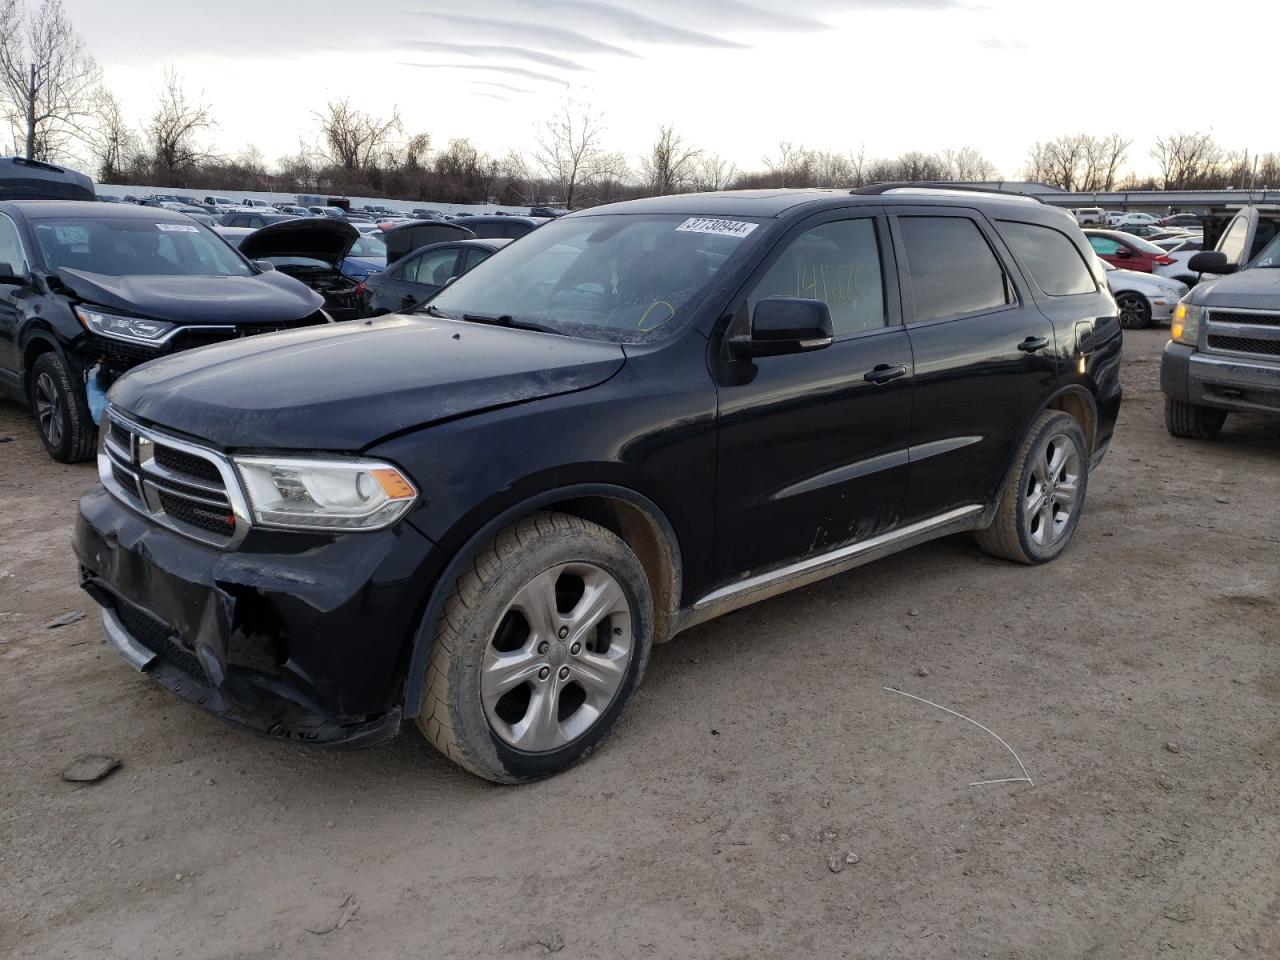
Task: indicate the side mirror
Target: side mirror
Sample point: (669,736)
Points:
(1123,252)
(266,266)
(783,325)
(1210,261)
(8,278)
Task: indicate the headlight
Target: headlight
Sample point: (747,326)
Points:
(1186,323)
(117,326)
(306,494)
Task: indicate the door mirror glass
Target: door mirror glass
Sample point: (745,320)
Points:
(8,277)
(782,325)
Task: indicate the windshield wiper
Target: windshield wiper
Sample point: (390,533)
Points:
(433,310)
(506,320)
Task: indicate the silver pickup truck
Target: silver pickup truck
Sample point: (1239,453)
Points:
(1224,353)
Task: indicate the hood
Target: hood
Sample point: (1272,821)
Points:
(343,387)
(1256,288)
(267,298)
(313,237)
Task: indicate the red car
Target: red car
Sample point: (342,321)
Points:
(1126,251)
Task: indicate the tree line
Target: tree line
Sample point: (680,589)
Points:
(57,108)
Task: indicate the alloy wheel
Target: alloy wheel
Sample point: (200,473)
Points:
(558,657)
(1052,492)
(1133,312)
(49,412)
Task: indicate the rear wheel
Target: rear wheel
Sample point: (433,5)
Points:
(1042,501)
(540,649)
(1192,421)
(61,410)
(1135,312)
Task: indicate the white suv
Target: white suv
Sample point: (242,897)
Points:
(1091,217)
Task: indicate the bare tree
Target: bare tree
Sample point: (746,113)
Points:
(570,151)
(670,166)
(112,142)
(174,131)
(713,172)
(1188,160)
(967,164)
(47,79)
(355,138)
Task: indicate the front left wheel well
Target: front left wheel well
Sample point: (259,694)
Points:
(645,536)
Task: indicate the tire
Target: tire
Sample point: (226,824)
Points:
(1135,311)
(61,410)
(1192,421)
(500,654)
(1035,518)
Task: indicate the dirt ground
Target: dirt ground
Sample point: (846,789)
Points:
(1137,678)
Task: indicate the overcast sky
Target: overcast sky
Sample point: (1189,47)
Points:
(733,76)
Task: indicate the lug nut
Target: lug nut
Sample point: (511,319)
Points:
(576,649)
(543,647)
(544,673)
(564,673)
(564,632)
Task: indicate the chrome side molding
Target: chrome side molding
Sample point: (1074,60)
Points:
(802,572)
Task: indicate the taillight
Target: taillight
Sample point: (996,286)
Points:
(1164,261)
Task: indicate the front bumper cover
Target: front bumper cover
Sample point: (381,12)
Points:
(1225,382)
(295,637)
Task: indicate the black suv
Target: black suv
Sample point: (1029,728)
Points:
(90,290)
(634,419)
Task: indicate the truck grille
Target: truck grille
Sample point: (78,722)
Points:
(1248,332)
(187,488)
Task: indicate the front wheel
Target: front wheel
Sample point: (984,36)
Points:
(1044,496)
(1192,421)
(539,651)
(61,410)
(1135,312)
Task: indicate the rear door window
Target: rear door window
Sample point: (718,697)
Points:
(1051,258)
(1104,246)
(952,267)
(436,267)
(11,247)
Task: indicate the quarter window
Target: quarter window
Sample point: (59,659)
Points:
(837,263)
(953,269)
(1052,259)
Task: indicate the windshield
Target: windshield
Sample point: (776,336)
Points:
(1268,256)
(120,248)
(628,278)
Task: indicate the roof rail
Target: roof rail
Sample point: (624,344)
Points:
(40,164)
(876,189)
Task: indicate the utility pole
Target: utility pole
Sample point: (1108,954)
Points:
(31,114)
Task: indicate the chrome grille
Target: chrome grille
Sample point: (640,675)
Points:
(1253,333)
(187,488)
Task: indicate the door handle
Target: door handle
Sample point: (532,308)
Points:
(1032,344)
(884,372)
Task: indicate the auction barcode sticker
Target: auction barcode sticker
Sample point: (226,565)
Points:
(721,228)
(177,228)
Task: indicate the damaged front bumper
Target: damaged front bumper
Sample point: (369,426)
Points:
(300,638)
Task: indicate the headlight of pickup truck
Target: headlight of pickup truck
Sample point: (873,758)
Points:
(1186,323)
(307,494)
(117,326)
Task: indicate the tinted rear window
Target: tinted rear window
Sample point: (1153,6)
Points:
(1052,259)
(953,269)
